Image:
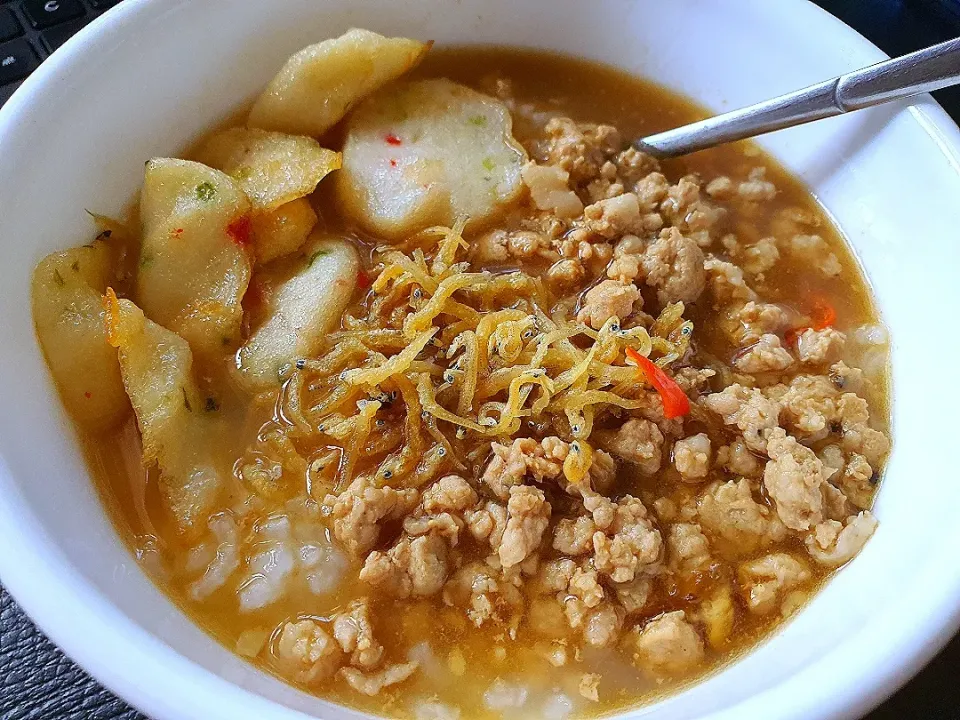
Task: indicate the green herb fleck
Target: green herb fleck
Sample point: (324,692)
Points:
(186,400)
(479,120)
(75,266)
(488,164)
(146,260)
(317,254)
(58,278)
(212,405)
(206,192)
(225,341)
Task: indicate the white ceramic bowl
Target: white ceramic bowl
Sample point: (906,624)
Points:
(152,74)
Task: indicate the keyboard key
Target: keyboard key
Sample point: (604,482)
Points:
(58,35)
(103,4)
(45,13)
(9,26)
(17,60)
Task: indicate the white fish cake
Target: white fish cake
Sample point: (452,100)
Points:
(194,266)
(156,365)
(318,85)
(69,317)
(282,231)
(272,168)
(302,310)
(427,153)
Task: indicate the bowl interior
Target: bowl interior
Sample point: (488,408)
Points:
(149,77)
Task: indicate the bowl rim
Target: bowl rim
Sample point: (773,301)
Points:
(40,578)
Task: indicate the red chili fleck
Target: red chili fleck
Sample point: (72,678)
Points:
(363,280)
(239,230)
(87,395)
(675,401)
(393,163)
(178,232)
(823,316)
(393,140)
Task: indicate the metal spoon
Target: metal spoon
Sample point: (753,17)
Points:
(923,71)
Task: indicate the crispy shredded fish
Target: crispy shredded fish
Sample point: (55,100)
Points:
(458,368)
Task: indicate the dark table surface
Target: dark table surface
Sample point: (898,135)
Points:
(37,682)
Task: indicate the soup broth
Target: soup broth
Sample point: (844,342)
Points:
(714,512)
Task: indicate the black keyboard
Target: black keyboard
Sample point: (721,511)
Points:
(30,30)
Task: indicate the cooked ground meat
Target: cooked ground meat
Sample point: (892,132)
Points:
(354,632)
(738,459)
(756,319)
(626,541)
(582,149)
(415,567)
(633,595)
(625,266)
(500,247)
(725,281)
(464,494)
(372,683)
(764,356)
(602,628)
(737,521)
(614,217)
(809,406)
(358,511)
(638,441)
(819,347)
(573,537)
(673,264)
(756,187)
(754,415)
(308,651)
(669,644)
(761,256)
(512,463)
(691,456)
(833,543)
(608,299)
(764,581)
(793,478)
(687,547)
(856,481)
(528,514)
(814,249)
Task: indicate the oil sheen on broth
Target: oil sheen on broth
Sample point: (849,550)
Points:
(512,669)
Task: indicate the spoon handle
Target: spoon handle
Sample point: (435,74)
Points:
(922,71)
